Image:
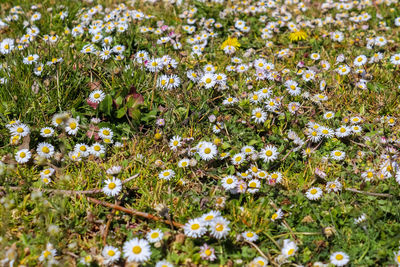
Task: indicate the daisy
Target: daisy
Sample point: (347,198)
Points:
(289,248)
(183,163)
(259,115)
(277,215)
(397,254)
(356,129)
(83,149)
(46,180)
(6,46)
(360,60)
(97,149)
(209,217)
(72,126)
(219,228)
(250,236)
(29,60)
(207,253)
(194,228)
(166,175)
(105,133)
(208,80)
(164,263)
(96,96)
(259,262)
(339,258)
(137,250)
(22,156)
(229,182)
(112,187)
(269,153)
(395,59)
(368,175)
(253,186)
(338,155)
(329,115)
(175,142)
(207,150)
(326,132)
(86,260)
(111,254)
(48,254)
(314,193)
(20,129)
(334,186)
(247,150)
(343,131)
(47,172)
(45,150)
(154,236)
(238,158)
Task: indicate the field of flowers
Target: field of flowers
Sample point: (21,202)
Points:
(199,133)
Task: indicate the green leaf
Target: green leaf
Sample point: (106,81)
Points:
(106,105)
(121,112)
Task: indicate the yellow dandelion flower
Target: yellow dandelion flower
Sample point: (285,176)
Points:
(231,42)
(298,36)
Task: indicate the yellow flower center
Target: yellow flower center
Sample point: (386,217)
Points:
(46,254)
(268,153)
(175,143)
(20,130)
(208,252)
(111,253)
(136,249)
(238,159)
(250,234)
(154,235)
(47,131)
(30,58)
(252,184)
(46,171)
(207,150)
(195,226)
(166,174)
(22,155)
(219,227)
(106,132)
(291,251)
(6,46)
(229,181)
(208,80)
(72,125)
(337,153)
(258,114)
(209,217)
(313,191)
(339,257)
(45,149)
(274,216)
(111,185)
(83,148)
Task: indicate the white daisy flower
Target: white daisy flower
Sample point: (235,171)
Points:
(46,132)
(164,263)
(339,258)
(314,193)
(289,248)
(238,158)
(269,153)
(253,186)
(22,156)
(111,254)
(97,149)
(112,187)
(166,174)
(137,250)
(220,228)
(229,182)
(194,228)
(154,236)
(207,150)
(250,236)
(338,155)
(96,96)
(45,150)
